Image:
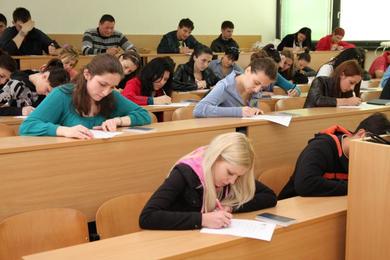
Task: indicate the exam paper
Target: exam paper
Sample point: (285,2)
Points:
(182,104)
(282,120)
(98,134)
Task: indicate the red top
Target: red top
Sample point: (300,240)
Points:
(380,63)
(132,91)
(325,44)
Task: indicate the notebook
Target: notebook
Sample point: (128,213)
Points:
(383,102)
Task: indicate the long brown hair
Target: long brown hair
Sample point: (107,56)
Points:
(99,65)
(347,68)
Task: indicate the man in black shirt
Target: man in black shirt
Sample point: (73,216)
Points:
(225,40)
(23,38)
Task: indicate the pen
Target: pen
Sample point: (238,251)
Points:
(219,206)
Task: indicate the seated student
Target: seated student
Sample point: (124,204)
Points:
(333,42)
(348,54)
(379,65)
(3,24)
(104,39)
(385,94)
(294,70)
(224,66)
(287,68)
(225,40)
(195,74)
(385,78)
(131,64)
(299,41)
(322,167)
(206,186)
(341,89)
(69,57)
(27,89)
(153,85)
(180,40)
(235,95)
(71,110)
(290,88)
(24,39)
(303,63)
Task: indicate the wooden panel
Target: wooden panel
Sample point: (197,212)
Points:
(320,232)
(318,58)
(35,62)
(368,228)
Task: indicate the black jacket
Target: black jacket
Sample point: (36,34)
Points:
(170,44)
(322,93)
(184,79)
(220,45)
(178,201)
(288,41)
(35,43)
(386,91)
(320,156)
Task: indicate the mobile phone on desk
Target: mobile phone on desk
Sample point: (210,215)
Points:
(275,219)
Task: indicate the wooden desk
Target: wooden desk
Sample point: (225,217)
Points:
(319,234)
(12,121)
(34,62)
(40,172)
(368,229)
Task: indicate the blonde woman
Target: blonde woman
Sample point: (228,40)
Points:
(69,57)
(206,186)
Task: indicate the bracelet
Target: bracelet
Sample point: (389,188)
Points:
(120,120)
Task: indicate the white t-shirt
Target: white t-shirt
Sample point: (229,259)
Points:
(325,70)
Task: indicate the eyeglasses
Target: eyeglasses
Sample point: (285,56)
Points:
(377,138)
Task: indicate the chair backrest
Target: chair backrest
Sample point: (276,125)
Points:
(183,113)
(6,130)
(277,177)
(183,96)
(279,91)
(290,103)
(265,107)
(120,215)
(41,230)
(369,95)
(153,117)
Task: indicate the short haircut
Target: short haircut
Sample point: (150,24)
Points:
(58,75)
(304,56)
(3,19)
(7,62)
(339,31)
(233,53)
(107,18)
(227,24)
(21,14)
(186,22)
(377,123)
(267,65)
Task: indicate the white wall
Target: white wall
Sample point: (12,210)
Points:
(251,17)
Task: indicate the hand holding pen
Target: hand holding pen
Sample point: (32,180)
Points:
(218,218)
(251,111)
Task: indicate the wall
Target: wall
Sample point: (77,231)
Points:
(256,17)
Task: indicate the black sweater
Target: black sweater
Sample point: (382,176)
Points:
(178,201)
(170,44)
(220,45)
(184,79)
(288,41)
(319,157)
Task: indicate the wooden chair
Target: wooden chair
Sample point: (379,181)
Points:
(6,130)
(304,87)
(183,96)
(120,215)
(153,117)
(369,95)
(279,91)
(183,113)
(276,178)
(41,230)
(290,103)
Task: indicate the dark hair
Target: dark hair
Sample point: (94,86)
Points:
(304,56)
(267,65)
(53,63)
(21,14)
(58,75)
(107,18)
(348,68)
(199,50)
(377,123)
(135,58)
(233,53)
(227,24)
(6,62)
(3,19)
(258,55)
(307,32)
(153,71)
(272,52)
(99,65)
(186,22)
(350,54)
(289,73)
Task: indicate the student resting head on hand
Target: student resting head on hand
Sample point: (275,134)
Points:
(206,186)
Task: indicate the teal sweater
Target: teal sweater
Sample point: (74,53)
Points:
(57,110)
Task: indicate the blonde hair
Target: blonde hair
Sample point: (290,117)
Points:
(235,149)
(70,53)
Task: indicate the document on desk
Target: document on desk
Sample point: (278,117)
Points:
(362,105)
(280,96)
(182,104)
(245,228)
(98,134)
(279,119)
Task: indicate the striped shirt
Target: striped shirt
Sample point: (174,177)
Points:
(94,43)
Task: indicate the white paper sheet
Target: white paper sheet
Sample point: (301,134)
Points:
(364,84)
(245,228)
(183,104)
(362,105)
(280,96)
(23,117)
(98,134)
(282,120)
